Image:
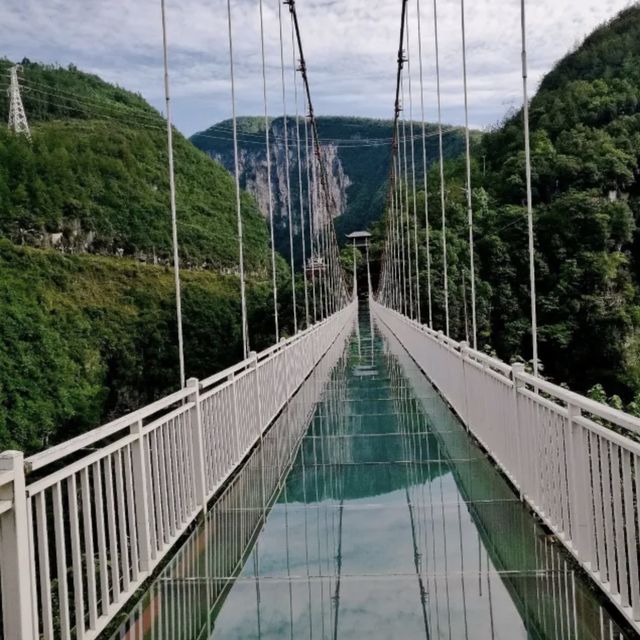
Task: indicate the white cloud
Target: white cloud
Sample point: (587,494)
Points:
(350,46)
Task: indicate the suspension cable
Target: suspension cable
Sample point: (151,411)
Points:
(413,179)
(270,195)
(340,287)
(243,299)
(527,153)
(405,296)
(442,193)
(403,152)
(287,169)
(474,327)
(301,196)
(427,228)
(172,195)
(311,206)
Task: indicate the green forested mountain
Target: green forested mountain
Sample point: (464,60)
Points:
(357,154)
(585,126)
(95,179)
(86,337)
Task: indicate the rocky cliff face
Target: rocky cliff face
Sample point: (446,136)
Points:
(356,153)
(254,173)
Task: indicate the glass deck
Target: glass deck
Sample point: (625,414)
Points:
(390,524)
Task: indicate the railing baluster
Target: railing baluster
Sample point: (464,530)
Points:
(580,476)
(197,444)
(76,556)
(87,516)
(131,487)
(101,537)
(43,564)
(14,552)
(61,563)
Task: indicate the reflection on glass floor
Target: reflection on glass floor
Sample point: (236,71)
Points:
(386,522)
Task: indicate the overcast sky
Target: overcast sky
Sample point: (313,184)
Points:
(350,46)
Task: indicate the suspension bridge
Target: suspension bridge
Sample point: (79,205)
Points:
(369,476)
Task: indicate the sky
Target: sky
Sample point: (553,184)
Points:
(350,46)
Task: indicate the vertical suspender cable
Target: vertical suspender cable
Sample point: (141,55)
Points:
(413,179)
(395,247)
(172,195)
(442,196)
(311,207)
(287,170)
(527,152)
(474,327)
(301,194)
(407,206)
(405,297)
(243,298)
(427,230)
(268,150)
(317,212)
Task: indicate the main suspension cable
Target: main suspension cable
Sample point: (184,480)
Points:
(301,193)
(338,281)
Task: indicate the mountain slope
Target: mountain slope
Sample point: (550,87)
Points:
(357,151)
(585,139)
(95,178)
(85,338)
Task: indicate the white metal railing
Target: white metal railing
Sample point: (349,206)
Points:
(204,568)
(575,461)
(84,523)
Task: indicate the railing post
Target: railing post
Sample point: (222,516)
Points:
(197,444)
(141,497)
(464,347)
(516,370)
(15,558)
(579,484)
(254,356)
(283,346)
(236,435)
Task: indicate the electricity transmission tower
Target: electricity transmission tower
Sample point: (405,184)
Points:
(17,116)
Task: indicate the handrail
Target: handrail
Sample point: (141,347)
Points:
(572,459)
(617,417)
(59,451)
(588,405)
(79,537)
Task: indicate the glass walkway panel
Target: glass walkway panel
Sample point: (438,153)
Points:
(369,512)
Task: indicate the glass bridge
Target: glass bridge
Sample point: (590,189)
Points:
(386,522)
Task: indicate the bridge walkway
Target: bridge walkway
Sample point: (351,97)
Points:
(390,523)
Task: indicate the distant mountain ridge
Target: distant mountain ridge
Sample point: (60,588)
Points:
(357,152)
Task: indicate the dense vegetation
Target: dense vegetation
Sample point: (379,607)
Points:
(95,178)
(585,123)
(85,337)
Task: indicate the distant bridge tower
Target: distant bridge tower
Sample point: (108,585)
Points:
(17,116)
